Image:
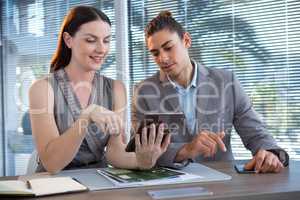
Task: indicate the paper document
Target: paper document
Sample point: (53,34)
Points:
(157,176)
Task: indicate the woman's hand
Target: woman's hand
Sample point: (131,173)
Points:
(148,150)
(108,121)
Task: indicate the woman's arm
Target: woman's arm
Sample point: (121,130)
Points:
(115,153)
(55,151)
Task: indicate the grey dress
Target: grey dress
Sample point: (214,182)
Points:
(67,109)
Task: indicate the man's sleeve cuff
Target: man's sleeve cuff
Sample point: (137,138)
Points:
(182,164)
(168,158)
(282,155)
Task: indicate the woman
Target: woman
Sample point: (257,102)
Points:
(76,112)
(212,100)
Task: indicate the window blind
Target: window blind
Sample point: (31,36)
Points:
(258,40)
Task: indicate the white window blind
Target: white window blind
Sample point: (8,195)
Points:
(30,31)
(259,40)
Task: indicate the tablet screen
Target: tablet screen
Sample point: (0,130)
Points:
(173,124)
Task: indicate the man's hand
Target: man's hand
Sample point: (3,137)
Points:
(205,143)
(148,150)
(264,161)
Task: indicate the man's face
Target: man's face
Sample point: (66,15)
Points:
(169,51)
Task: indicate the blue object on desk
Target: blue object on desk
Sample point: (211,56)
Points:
(240,168)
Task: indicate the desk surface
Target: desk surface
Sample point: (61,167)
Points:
(285,185)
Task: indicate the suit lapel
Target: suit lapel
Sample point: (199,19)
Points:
(169,97)
(204,90)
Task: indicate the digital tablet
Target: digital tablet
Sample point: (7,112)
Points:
(173,125)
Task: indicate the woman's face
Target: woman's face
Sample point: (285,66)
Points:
(169,51)
(89,45)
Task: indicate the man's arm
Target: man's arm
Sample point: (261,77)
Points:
(250,127)
(205,144)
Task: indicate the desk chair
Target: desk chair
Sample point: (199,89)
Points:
(32,163)
(33,160)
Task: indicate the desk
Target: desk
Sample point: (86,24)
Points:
(285,186)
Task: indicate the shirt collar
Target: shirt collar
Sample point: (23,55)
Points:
(194,80)
(193,83)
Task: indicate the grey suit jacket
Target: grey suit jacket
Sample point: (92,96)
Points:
(221,104)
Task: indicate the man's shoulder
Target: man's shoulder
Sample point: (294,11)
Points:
(153,78)
(150,82)
(218,74)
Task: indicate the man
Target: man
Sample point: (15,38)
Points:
(212,100)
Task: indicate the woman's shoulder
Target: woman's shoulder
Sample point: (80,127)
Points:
(118,85)
(112,85)
(41,94)
(109,82)
(41,85)
(103,77)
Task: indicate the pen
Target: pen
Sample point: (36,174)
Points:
(28,184)
(75,179)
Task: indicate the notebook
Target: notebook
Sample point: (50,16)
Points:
(40,187)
